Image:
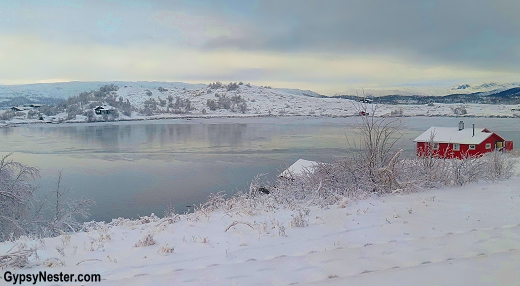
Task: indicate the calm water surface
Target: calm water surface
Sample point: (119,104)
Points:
(135,168)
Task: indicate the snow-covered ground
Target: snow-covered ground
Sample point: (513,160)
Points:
(453,236)
(263,101)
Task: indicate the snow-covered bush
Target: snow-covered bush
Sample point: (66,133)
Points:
(397,112)
(300,218)
(232,86)
(497,165)
(460,110)
(7,115)
(16,197)
(148,240)
(21,213)
(212,104)
(215,85)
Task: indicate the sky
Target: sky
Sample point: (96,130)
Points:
(328,46)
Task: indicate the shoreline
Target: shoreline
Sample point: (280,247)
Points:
(190,117)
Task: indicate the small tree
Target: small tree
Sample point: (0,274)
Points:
(65,211)
(378,156)
(16,196)
(212,104)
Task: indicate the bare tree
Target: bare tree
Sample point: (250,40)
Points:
(16,196)
(65,211)
(378,155)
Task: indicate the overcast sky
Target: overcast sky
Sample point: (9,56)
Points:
(325,45)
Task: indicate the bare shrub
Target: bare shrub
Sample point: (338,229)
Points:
(397,112)
(378,159)
(165,249)
(242,107)
(17,258)
(148,240)
(300,218)
(497,166)
(16,196)
(232,86)
(215,85)
(65,212)
(224,102)
(7,115)
(212,104)
(460,110)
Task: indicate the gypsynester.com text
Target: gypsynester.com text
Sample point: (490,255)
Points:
(43,276)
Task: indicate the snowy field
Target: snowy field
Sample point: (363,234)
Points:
(452,236)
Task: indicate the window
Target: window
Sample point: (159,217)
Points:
(488,145)
(435,146)
(471,147)
(456,147)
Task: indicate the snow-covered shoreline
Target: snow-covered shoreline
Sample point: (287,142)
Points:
(242,101)
(470,233)
(489,114)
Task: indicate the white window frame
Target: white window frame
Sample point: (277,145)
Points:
(435,146)
(472,147)
(488,145)
(456,147)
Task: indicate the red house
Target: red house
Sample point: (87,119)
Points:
(453,142)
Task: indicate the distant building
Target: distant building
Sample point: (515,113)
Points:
(458,142)
(104,109)
(17,108)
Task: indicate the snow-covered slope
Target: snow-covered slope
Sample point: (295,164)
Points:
(256,100)
(454,236)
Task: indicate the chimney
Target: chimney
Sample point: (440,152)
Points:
(461,125)
(473,130)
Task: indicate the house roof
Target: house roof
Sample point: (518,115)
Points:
(454,135)
(299,167)
(104,107)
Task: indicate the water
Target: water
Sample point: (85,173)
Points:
(136,168)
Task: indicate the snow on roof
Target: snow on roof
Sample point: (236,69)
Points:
(299,167)
(104,107)
(454,135)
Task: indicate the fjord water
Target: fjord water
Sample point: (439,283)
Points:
(139,167)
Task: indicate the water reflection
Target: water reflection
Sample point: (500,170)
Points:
(133,168)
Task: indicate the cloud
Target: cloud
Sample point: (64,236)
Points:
(28,58)
(473,33)
(323,44)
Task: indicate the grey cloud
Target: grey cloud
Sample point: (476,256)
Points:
(477,32)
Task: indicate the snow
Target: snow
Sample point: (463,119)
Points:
(299,167)
(453,236)
(263,101)
(454,135)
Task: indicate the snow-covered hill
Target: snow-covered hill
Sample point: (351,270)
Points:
(153,100)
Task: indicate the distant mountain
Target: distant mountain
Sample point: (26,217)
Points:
(507,96)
